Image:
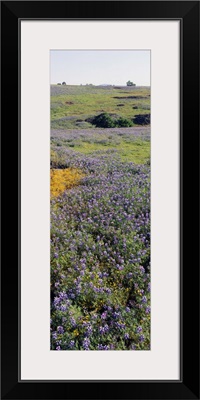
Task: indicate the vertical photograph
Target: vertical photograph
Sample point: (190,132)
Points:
(100,179)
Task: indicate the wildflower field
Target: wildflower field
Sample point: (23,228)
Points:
(100,228)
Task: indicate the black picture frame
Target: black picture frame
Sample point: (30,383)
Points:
(188,13)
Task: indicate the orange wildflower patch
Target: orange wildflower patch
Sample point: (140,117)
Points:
(62,179)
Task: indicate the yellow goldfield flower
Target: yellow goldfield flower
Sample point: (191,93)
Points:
(63,179)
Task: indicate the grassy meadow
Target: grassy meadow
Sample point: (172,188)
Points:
(72,105)
(100,218)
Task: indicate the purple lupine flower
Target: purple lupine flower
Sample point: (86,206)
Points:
(54,335)
(103,347)
(126,335)
(60,329)
(104,315)
(86,343)
(120,325)
(144,299)
(63,307)
(73,322)
(103,329)
(71,344)
(89,329)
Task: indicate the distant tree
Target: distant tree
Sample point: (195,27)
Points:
(58,83)
(129,83)
(63,83)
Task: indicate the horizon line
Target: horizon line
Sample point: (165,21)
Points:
(92,84)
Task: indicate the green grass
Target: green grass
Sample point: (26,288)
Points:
(88,101)
(137,151)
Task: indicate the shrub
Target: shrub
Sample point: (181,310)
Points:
(123,122)
(103,120)
(142,119)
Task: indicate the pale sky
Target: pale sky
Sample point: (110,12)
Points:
(98,67)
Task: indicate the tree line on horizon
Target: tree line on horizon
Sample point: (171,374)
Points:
(128,83)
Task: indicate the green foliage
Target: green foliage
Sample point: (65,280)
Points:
(123,122)
(103,121)
(142,119)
